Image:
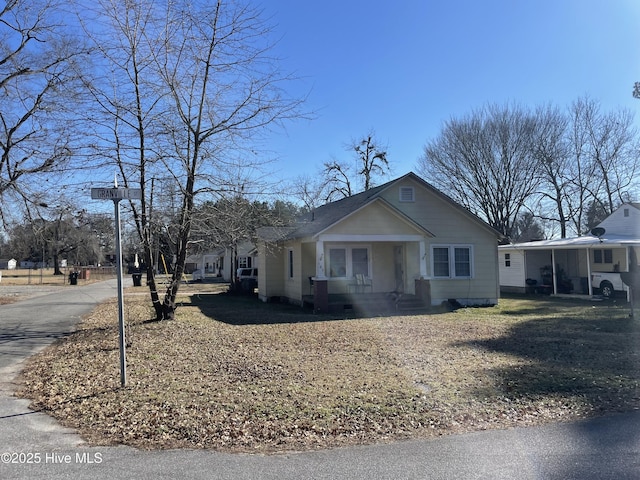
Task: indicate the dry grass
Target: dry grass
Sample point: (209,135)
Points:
(234,374)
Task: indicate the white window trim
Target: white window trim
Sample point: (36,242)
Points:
(452,262)
(348,259)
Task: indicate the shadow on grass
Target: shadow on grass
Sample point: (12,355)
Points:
(594,356)
(248,310)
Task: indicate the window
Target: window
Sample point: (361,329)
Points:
(440,261)
(244,262)
(290,264)
(507,259)
(407,194)
(603,256)
(462,258)
(452,261)
(346,262)
(338,262)
(360,261)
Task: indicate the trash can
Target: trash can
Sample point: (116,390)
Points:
(73,278)
(137,279)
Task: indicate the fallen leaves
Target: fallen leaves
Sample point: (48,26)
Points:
(202,382)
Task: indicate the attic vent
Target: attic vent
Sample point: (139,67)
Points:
(626,212)
(407,194)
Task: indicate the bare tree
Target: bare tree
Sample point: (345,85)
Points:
(39,64)
(372,159)
(370,162)
(337,181)
(603,159)
(485,163)
(308,190)
(551,151)
(200,85)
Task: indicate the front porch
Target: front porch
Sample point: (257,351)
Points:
(371,304)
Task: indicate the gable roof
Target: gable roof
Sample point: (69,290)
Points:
(619,224)
(325,216)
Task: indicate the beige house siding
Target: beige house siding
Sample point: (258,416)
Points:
(383,223)
(293,285)
(270,271)
(451,226)
(374,219)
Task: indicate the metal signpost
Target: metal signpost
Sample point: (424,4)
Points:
(116,194)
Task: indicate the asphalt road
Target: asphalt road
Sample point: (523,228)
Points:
(32,445)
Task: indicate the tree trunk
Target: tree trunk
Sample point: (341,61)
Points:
(56,265)
(151,281)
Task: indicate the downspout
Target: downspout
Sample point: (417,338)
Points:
(553,271)
(589,272)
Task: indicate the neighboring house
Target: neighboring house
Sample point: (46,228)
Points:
(8,264)
(220,263)
(401,238)
(571,265)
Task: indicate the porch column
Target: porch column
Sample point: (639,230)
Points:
(320,260)
(423,259)
(320,283)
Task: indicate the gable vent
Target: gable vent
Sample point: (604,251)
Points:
(407,194)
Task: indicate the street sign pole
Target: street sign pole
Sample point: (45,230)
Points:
(123,359)
(116,194)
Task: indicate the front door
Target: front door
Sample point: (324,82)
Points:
(398,264)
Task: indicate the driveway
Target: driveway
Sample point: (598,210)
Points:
(32,445)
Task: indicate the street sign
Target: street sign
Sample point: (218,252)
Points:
(116,193)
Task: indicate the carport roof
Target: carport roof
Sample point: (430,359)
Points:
(587,241)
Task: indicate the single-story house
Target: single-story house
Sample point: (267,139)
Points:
(403,238)
(8,264)
(220,263)
(568,265)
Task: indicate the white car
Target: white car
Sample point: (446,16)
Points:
(607,282)
(247,278)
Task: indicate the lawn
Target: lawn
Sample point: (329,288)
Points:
(233,374)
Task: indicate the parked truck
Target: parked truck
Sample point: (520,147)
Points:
(607,283)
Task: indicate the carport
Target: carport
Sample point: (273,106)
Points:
(562,266)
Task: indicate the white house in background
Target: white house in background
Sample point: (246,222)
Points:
(402,238)
(8,264)
(567,265)
(219,264)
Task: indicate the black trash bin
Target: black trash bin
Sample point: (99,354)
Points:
(73,278)
(137,279)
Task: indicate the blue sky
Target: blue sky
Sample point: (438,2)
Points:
(402,68)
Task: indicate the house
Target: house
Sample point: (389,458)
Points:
(220,263)
(569,265)
(8,264)
(403,238)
